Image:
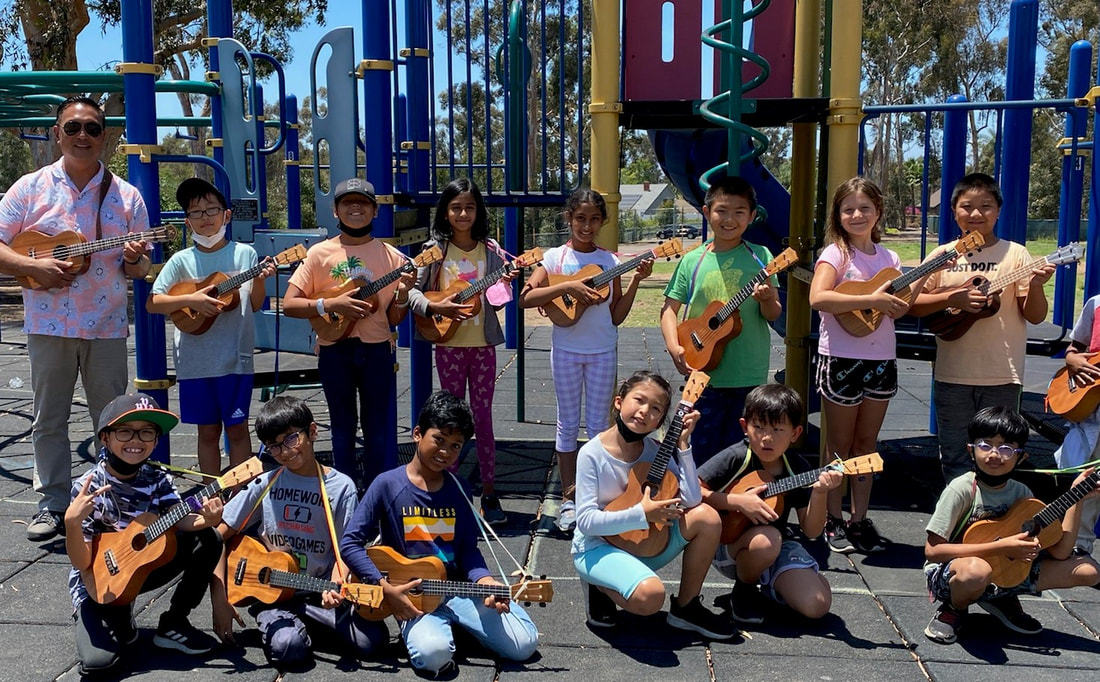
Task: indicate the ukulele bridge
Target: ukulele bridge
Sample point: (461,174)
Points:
(110,562)
(567,300)
(695,341)
(238,574)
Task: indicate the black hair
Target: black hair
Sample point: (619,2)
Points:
(583,195)
(639,377)
(280,414)
(770,403)
(80,99)
(446,412)
(980,182)
(733,186)
(441,226)
(998,420)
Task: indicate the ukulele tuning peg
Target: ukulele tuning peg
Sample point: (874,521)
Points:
(526,604)
(542,577)
(542,605)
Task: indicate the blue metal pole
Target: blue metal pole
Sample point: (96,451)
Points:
(219,24)
(403,183)
(260,159)
(954,165)
(293,171)
(1023,27)
(1092,254)
(141,128)
(1073,179)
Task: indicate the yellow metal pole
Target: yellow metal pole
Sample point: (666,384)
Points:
(845,106)
(605,109)
(807,51)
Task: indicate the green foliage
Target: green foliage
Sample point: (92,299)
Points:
(15,158)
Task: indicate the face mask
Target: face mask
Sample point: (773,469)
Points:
(990,479)
(211,241)
(356,232)
(624,430)
(121,466)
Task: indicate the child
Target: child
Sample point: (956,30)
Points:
(856,376)
(783,568)
(359,368)
(110,495)
(422,510)
(214,369)
(1082,442)
(613,576)
(717,272)
(583,357)
(958,574)
(985,366)
(285,510)
(461,229)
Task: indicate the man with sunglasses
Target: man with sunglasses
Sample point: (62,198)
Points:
(74,324)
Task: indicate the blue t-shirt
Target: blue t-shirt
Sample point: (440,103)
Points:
(417,524)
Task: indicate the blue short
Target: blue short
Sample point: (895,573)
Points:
(792,555)
(619,570)
(216,400)
(938,577)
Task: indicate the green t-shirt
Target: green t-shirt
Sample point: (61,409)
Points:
(719,277)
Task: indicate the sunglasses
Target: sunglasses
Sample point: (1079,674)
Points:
(91,128)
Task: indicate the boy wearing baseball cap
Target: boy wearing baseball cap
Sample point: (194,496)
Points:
(107,498)
(214,369)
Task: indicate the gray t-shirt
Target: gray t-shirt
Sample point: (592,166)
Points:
(963,499)
(291,517)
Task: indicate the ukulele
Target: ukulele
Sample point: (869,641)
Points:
(1029,516)
(434,586)
(255,573)
(734,523)
(705,336)
(863,322)
(951,323)
(122,561)
(225,289)
(1070,400)
(440,328)
(565,310)
(72,246)
(336,327)
(654,479)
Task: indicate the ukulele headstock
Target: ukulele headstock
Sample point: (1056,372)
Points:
(694,386)
(787,258)
(1070,253)
(971,241)
(427,257)
(162,233)
(864,464)
(294,254)
(242,473)
(673,248)
(528,258)
(533,591)
(363,595)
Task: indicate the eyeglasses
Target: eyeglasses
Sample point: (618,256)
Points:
(90,128)
(1003,451)
(144,435)
(291,441)
(208,212)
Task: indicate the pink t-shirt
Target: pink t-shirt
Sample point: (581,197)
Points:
(94,306)
(855,265)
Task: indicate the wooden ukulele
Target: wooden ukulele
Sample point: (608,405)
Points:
(734,523)
(440,328)
(434,587)
(654,479)
(122,561)
(225,289)
(565,310)
(863,322)
(336,327)
(1029,516)
(270,577)
(72,246)
(951,323)
(705,336)
(1072,401)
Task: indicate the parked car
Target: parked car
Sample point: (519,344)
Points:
(687,231)
(666,231)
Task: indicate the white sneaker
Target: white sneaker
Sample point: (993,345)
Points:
(567,517)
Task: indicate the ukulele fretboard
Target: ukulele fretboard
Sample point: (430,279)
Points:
(620,269)
(298,581)
(385,280)
(741,296)
(456,588)
(803,480)
(105,244)
(238,280)
(998,283)
(1057,509)
(921,270)
(478,286)
(174,515)
(668,445)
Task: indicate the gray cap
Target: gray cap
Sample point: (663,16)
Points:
(354,186)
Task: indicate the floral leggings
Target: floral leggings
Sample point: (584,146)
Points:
(476,366)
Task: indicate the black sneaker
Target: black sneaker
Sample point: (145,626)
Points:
(836,534)
(45,524)
(180,635)
(491,511)
(944,626)
(698,618)
(1011,614)
(602,612)
(746,604)
(864,536)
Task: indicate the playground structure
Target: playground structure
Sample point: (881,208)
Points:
(498,124)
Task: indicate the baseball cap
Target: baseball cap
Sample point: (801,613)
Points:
(136,406)
(354,186)
(194,188)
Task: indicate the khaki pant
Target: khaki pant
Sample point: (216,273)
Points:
(55,362)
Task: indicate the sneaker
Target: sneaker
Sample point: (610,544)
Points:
(491,511)
(944,625)
(836,534)
(1011,614)
(602,612)
(864,536)
(698,618)
(45,524)
(182,636)
(567,517)
(746,604)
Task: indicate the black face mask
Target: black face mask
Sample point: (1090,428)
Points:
(356,232)
(624,430)
(989,479)
(121,466)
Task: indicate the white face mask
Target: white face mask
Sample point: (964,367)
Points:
(211,241)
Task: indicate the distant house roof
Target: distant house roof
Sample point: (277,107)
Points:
(645,198)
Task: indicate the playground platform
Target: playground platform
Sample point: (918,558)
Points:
(875,630)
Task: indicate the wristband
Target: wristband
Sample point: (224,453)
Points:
(127,262)
(321,307)
(401,304)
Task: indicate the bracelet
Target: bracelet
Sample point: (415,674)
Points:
(321,307)
(127,262)
(401,304)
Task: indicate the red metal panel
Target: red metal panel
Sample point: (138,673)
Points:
(646,76)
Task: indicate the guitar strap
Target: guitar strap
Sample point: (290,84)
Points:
(970,514)
(331,526)
(745,465)
(483,527)
(104,188)
(260,499)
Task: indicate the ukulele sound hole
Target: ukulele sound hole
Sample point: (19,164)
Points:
(714,323)
(140,542)
(264,576)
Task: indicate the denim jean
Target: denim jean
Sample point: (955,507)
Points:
(430,639)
